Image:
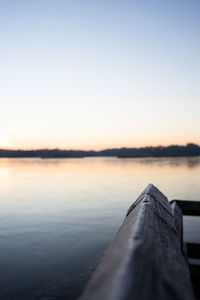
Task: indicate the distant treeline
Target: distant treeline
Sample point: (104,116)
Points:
(170,151)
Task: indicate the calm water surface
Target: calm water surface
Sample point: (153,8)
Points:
(58,216)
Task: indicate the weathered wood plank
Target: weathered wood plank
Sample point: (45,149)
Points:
(178,218)
(189,208)
(145,259)
(191,247)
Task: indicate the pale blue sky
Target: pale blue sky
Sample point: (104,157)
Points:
(95,74)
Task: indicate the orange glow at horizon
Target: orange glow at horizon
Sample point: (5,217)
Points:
(98,145)
(114,82)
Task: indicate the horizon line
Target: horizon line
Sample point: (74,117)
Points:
(99,150)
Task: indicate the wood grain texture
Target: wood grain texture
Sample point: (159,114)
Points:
(145,259)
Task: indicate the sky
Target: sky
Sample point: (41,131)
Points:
(90,74)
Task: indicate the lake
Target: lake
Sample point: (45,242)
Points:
(57,216)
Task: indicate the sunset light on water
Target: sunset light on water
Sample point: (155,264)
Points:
(99,104)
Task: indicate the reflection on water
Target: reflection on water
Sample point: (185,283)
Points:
(57,216)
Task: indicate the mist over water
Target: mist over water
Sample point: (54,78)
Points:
(57,216)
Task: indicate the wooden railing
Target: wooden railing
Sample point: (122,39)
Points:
(145,260)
